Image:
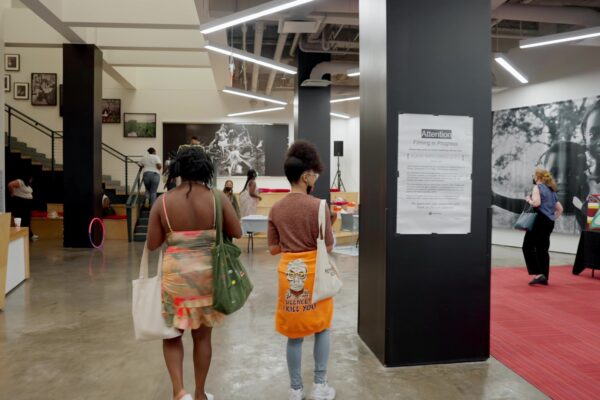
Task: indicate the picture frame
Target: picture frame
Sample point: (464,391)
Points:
(12,62)
(21,91)
(111,111)
(7,83)
(139,125)
(44,89)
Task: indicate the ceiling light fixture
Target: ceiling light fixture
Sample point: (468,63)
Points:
(353,72)
(244,55)
(252,95)
(340,115)
(250,14)
(264,110)
(560,38)
(507,66)
(345,99)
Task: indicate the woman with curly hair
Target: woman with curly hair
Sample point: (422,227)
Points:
(537,240)
(293,233)
(185,218)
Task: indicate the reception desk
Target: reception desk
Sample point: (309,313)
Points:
(14,257)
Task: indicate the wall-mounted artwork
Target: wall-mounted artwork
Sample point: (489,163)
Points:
(234,148)
(562,137)
(139,125)
(43,89)
(12,62)
(21,91)
(111,111)
(6,83)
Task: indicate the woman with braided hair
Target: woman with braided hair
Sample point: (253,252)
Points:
(537,240)
(185,219)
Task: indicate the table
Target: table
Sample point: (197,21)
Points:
(588,252)
(252,224)
(14,256)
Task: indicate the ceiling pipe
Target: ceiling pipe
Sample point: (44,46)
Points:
(302,45)
(281,41)
(259,29)
(548,14)
(332,68)
(294,45)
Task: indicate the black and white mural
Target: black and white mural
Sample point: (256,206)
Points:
(563,137)
(234,148)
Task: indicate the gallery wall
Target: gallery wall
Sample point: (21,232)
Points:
(175,95)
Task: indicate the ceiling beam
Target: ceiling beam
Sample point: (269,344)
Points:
(117,76)
(278,53)
(548,14)
(132,25)
(258,38)
(51,19)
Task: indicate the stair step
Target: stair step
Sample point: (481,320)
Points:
(139,237)
(141,229)
(145,214)
(143,221)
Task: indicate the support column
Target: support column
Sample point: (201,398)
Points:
(423,299)
(82,148)
(311,116)
(3,193)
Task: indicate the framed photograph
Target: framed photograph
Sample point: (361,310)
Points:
(139,125)
(111,111)
(12,62)
(21,91)
(43,89)
(6,83)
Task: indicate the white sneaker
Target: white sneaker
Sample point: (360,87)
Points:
(209,396)
(322,391)
(296,394)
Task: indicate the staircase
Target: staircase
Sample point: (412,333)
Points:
(141,229)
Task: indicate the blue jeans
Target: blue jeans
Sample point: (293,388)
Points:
(151,182)
(320,353)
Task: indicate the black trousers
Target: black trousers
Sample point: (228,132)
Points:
(536,245)
(21,208)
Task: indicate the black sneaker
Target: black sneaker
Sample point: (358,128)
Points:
(540,280)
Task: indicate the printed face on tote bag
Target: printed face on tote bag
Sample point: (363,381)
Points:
(296,276)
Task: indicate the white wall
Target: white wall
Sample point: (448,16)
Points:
(347,131)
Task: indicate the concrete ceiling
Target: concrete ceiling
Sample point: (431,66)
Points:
(159,34)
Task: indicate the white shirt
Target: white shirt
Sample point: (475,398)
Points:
(23,191)
(149,163)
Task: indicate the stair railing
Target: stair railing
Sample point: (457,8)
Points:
(56,140)
(133,204)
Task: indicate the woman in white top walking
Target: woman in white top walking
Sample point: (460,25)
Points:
(21,196)
(152,166)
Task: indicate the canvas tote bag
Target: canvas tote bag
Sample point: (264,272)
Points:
(327,278)
(146,306)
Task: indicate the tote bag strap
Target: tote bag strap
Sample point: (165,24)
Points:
(144,262)
(218,217)
(322,224)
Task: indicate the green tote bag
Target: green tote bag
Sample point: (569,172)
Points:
(231,283)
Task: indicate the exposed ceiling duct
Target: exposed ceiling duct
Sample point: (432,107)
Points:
(327,68)
(548,14)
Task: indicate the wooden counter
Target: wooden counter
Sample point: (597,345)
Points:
(14,257)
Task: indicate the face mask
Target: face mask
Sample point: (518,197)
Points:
(228,190)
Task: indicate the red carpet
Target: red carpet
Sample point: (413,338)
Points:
(549,335)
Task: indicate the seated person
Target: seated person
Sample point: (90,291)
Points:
(106,207)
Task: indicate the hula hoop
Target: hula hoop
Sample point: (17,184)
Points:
(101,245)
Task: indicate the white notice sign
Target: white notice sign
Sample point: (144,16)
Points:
(435,161)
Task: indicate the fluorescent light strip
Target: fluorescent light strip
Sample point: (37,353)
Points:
(264,110)
(560,38)
(345,99)
(353,72)
(243,55)
(507,66)
(340,115)
(249,14)
(251,95)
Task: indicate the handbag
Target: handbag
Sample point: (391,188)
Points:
(327,278)
(146,306)
(526,219)
(231,283)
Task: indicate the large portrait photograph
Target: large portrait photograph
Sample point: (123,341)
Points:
(562,137)
(234,148)
(43,89)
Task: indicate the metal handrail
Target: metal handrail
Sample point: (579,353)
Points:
(133,202)
(54,135)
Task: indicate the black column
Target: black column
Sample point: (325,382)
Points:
(423,298)
(311,116)
(82,148)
